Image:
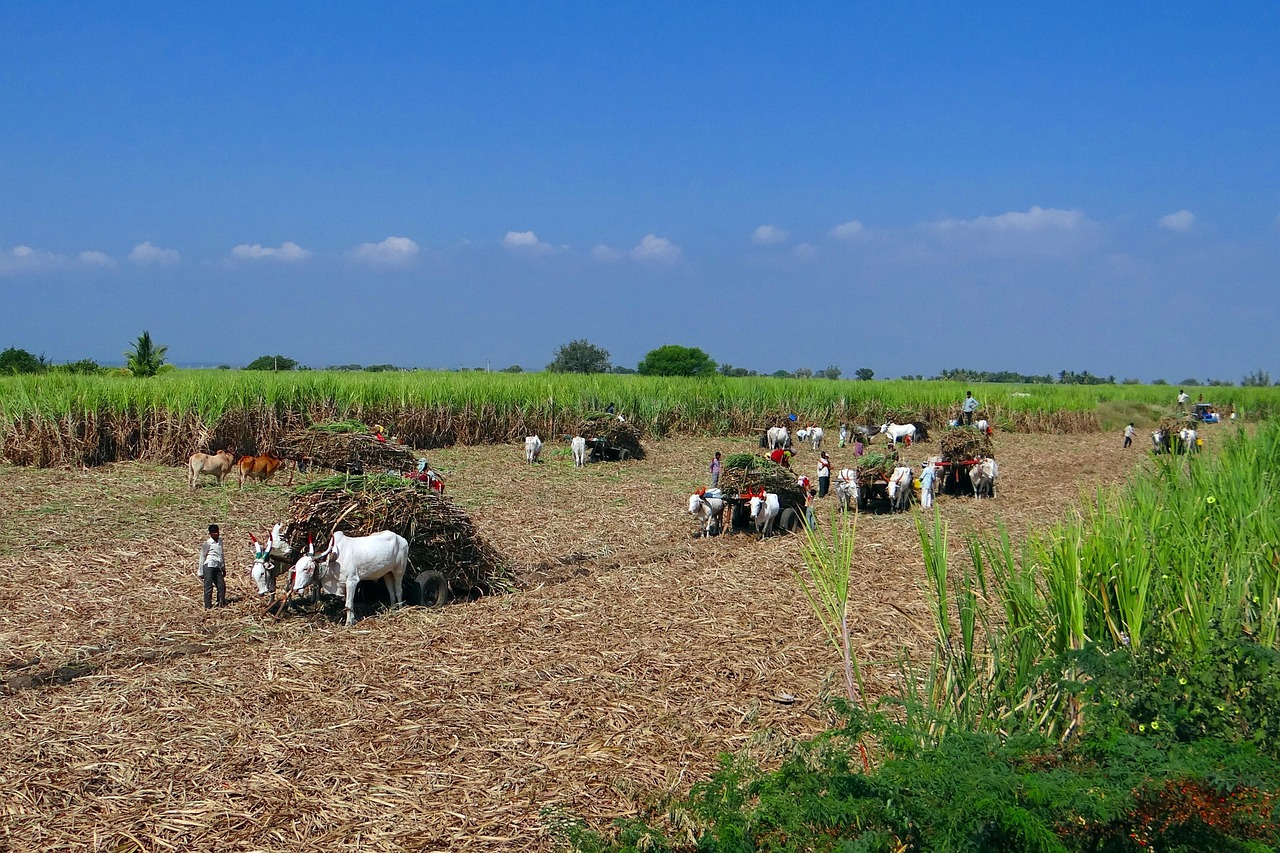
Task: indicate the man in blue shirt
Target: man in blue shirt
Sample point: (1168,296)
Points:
(970,406)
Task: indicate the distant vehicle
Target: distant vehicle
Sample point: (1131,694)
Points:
(1205,414)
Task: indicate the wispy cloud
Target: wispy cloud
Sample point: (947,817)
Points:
(606,253)
(805,250)
(391,252)
(1181,222)
(1038,231)
(527,241)
(148,254)
(96,259)
(769,235)
(850,230)
(656,250)
(287,252)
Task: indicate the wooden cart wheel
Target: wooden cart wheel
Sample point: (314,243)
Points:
(789,520)
(432,588)
(624,455)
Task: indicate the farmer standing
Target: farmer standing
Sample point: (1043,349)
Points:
(970,406)
(715,470)
(1183,397)
(212,569)
(824,474)
(1128,435)
(844,434)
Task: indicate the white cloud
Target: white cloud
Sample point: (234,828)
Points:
(286,252)
(527,241)
(97,259)
(769,235)
(847,230)
(1045,231)
(391,252)
(146,254)
(602,252)
(805,250)
(1182,221)
(1036,219)
(22,259)
(656,249)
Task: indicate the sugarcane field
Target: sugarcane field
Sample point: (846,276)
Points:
(570,645)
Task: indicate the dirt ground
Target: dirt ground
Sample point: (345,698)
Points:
(629,658)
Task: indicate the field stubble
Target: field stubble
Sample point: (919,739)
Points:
(629,658)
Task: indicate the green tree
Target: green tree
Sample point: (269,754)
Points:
(14,360)
(864,374)
(1259,379)
(832,372)
(144,357)
(803,373)
(675,360)
(272,362)
(515,368)
(580,356)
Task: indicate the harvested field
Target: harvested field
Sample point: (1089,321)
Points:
(628,658)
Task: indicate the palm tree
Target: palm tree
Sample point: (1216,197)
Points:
(145,358)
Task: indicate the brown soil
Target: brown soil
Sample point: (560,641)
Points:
(630,657)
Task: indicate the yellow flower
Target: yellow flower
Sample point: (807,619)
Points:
(1211,500)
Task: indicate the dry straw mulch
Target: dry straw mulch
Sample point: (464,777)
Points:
(630,656)
(441,535)
(746,472)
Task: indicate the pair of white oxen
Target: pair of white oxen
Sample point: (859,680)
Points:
(339,568)
(707,506)
(533,449)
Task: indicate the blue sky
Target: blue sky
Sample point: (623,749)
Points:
(1020,186)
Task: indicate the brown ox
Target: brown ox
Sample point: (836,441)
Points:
(260,467)
(214,464)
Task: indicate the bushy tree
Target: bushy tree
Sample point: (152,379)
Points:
(781,374)
(1257,379)
(85,366)
(832,372)
(14,360)
(144,357)
(515,368)
(580,356)
(864,374)
(272,362)
(803,373)
(675,360)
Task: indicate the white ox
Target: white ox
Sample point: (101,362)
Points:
(351,559)
(213,464)
(265,568)
(708,508)
(579,445)
(532,448)
(847,488)
(983,476)
(764,512)
(897,432)
(778,437)
(900,488)
(812,434)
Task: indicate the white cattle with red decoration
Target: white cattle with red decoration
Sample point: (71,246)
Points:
(707,505)
(351,559)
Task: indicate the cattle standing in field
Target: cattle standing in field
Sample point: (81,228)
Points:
(778,437)
(900,488)
(847,488)
(815,437)
(911,432)
(983,476)
(351,559)
(532,448)
(579,445)
(765,509)
(261,467)
(708,507)
(213,464)
(267,559)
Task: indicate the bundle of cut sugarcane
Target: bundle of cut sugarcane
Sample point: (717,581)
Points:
(1173,424)
(617,431)
(876,467)
(353,449)
(960,444)
(746,472)
(441,535)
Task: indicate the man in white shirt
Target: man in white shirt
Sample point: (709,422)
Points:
(1128,435)
(212,569)
(1183,397)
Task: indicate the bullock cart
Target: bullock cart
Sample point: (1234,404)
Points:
(746,474)
(447,556)
(962,448)
(611,438)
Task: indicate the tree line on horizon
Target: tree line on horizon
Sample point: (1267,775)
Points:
(146,358)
